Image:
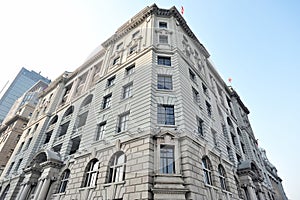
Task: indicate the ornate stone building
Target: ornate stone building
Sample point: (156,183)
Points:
(146,116)
(16,120)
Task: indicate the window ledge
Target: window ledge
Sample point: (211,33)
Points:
(87,188)
(104,109)
(158,65)
(125,99)
(210,186)
(114,183)
(107,87)
(59,194)
(227,192)
(164,90)
(167,126)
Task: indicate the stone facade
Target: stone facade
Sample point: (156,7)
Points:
(16,120)
(146,116)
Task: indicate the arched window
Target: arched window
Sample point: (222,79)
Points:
(222,177)
(117,168)
(4,193)
(206,170)
(91,173)
(64,181)
(69,111)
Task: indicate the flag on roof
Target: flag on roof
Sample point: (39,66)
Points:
(182,10)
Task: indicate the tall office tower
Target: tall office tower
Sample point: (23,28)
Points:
(16,120)
(147,116)
(23,81)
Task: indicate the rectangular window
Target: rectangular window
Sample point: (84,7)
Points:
(163,25)
(192,75)
(132,49)
(164,60)
(116,60)
(100,130)
(28,143)
(129,70)
(164,82)
(64,129)
(18,165)
(123,122)
(111,81)
(200,126)
(208,109)
(10,168)
(119,46)
(135,34)
(127,91)
(165,114)
(57,148)
(75,145)
(163,39)
(106,101)
(195,95)
(167,160)
(20,148)
(205,90)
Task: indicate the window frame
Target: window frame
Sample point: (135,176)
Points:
(222,177)
(111,81)
(123,122)
(200,126)
(64,181)
(207,170)
(91,173)
(162,24)
(164,82)
(130,70)
(116,60)
(167,159)
(100,131)
(164,61)
(107,101)
(163,115)
(116,172)
(127,90)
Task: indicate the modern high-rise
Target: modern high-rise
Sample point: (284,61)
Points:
(16,120)
(22,82)
(146,116)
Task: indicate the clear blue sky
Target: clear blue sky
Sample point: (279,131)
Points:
(256,43)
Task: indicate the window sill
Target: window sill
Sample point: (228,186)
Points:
(59,194)
(87,188)
(114,183)
(167,126)
(108,87)
(158,65)
(104,109)
(164,90)
(210,186)
(125,99)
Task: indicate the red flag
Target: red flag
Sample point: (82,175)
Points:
(230,79)
(182,10)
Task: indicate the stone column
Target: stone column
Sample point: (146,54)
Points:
(38,188)
(24,193)
(20,191)
(44,189)
(251,192)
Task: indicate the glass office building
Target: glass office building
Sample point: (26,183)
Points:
(23,81)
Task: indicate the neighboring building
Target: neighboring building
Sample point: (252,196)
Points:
(146,116)
(16,120)
(273,178)
(23,81)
